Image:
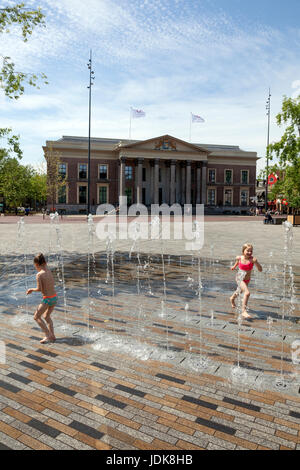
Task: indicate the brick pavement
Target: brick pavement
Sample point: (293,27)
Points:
(88,392)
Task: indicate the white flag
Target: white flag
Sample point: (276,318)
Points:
(196,118)
(137,113)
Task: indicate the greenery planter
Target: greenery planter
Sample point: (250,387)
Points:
(294,219)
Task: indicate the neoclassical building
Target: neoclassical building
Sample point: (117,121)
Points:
(160,170)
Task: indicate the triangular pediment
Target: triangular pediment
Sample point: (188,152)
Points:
(165,143)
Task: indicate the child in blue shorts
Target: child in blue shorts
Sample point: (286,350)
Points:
(45,285)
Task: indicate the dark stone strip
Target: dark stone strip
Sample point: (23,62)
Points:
(37,358)
(103,366)
(35,338)
(176,333)
(216,426)
(294,414)
(111,401)
(30,366)
(86,430)
(118,321)
(284,358)
(44,428)
(4,447)
(9,387)
(133,391)
(64,390)
(206,404)
(230,347)
(46,353)
(248,406)
(19,378)
(13,346)
(162,326)
(169,377)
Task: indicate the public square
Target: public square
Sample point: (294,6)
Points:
(142,361)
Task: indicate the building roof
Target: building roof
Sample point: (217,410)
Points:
(111,145)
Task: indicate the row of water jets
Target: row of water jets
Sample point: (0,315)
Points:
(105,341)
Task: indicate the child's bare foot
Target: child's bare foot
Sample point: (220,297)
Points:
(45,340)
(232,301)
(52,339)
(245,314)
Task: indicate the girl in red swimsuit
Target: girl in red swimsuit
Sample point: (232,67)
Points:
(245,264)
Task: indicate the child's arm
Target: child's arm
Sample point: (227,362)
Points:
(38,286)
(236,263)
(259,267)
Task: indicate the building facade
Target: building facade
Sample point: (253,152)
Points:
(154,171)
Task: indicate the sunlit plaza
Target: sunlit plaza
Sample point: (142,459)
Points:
(149,353)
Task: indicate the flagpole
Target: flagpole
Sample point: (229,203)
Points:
(191,128)
(130,123)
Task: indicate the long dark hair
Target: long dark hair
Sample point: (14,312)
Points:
(39,259)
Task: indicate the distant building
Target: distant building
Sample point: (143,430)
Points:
(154,171)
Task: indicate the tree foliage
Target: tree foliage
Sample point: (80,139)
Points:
(21,184)
(12,81)
(11,147)
(54,179)
(287,150)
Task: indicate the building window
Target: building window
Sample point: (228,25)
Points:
(244,197)
(228,176)
(128,193)
(211,176)
(102,172)
(144,174)
(159,175)
(245,177)
(62,170)
(82,194)
(62,195)
(83,171)
(128,172)
(211,197)
(228,197)
(103,195)
(144,196)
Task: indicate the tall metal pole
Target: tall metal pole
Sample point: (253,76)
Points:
(268,108)
(89,140)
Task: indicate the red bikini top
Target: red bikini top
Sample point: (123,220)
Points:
(245,267)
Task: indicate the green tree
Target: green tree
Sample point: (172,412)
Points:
(287,150)
(11,147)
(37,190)
(55,181)
(15,182)
(11,80)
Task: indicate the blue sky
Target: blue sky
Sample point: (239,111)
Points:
(216,58)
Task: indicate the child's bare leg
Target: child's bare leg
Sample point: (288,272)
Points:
(232,299)
(245,289)
(49,322)
(37,316)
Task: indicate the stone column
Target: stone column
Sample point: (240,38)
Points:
(204,178)
(172,183)
(122,177)
(156,181)
(198,195)
(139,180)
(167,183)
(151,181)
(188,182)
(182,185)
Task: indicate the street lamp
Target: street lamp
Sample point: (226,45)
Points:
(268,108)
(92,77)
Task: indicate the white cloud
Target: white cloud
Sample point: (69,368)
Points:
(161,55)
